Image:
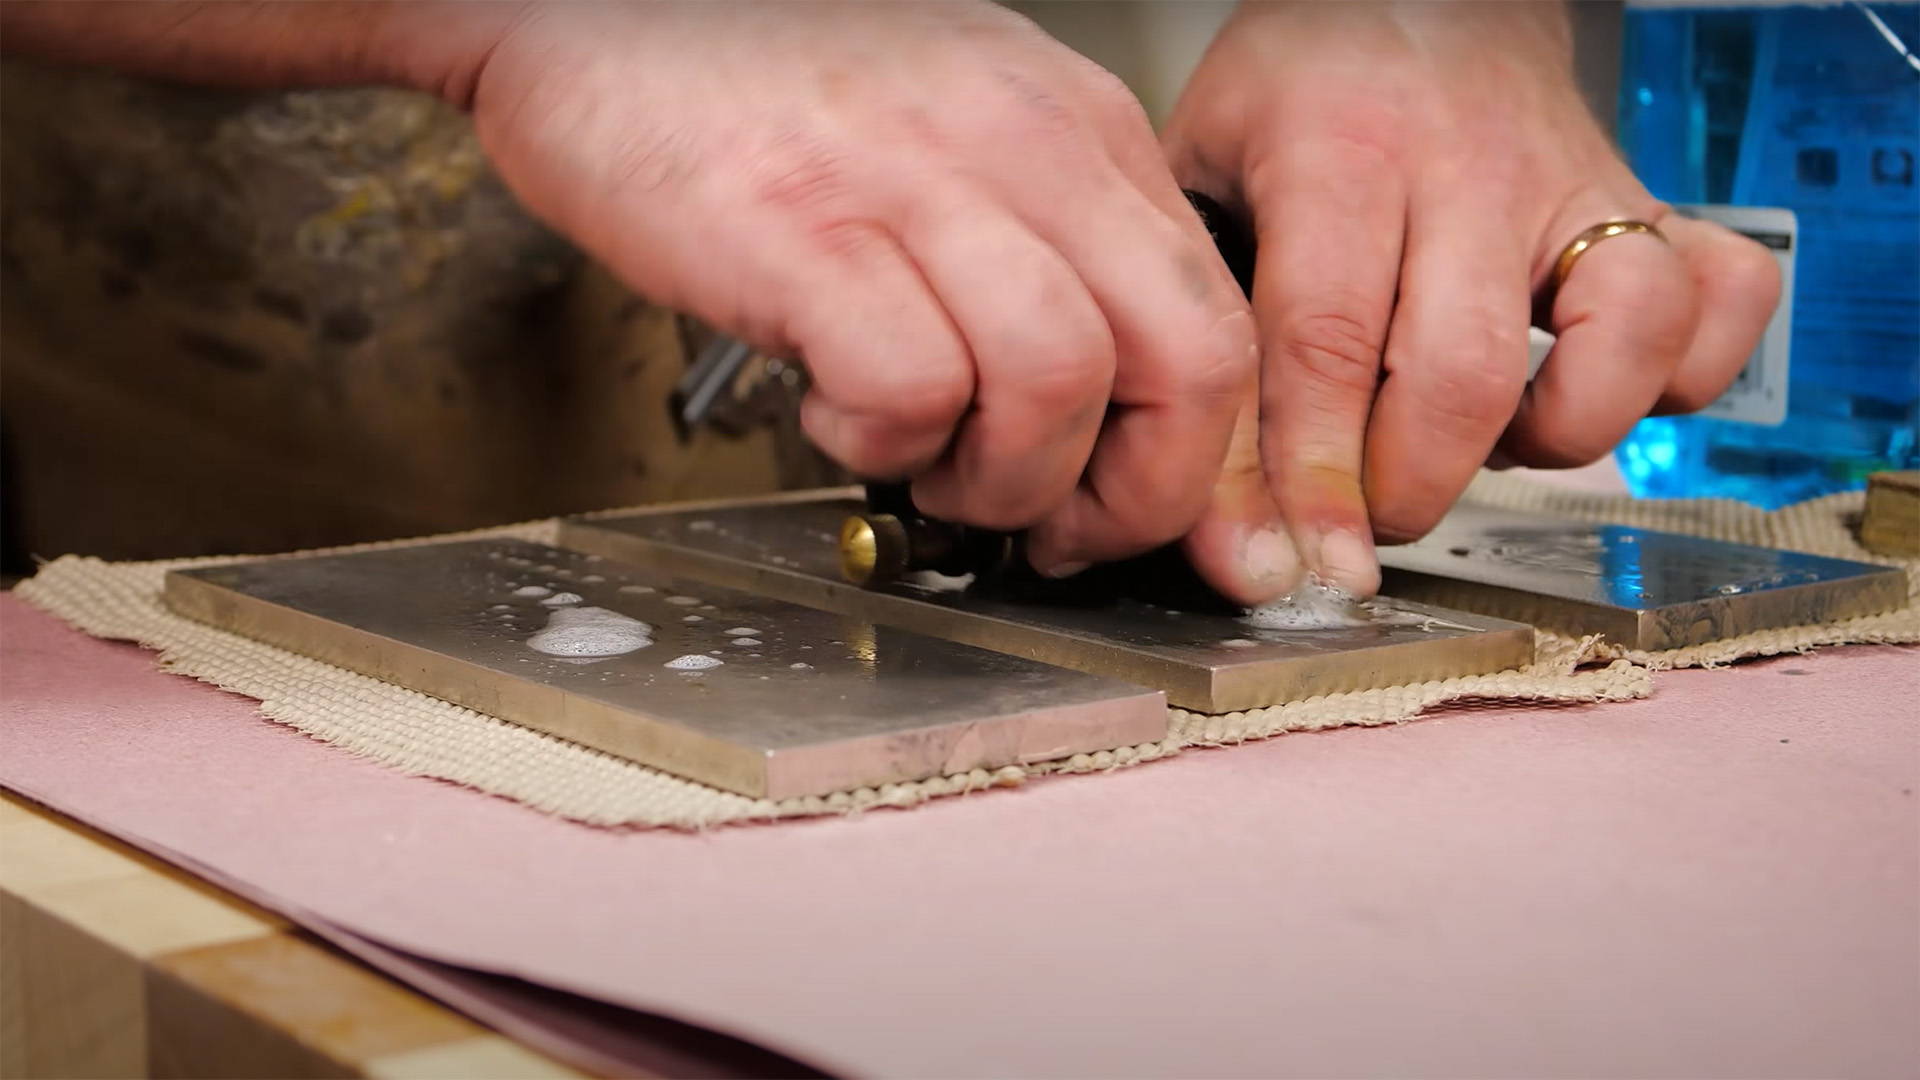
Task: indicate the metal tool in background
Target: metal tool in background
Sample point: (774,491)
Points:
(1641,588)
(706,381)
(807,703)
(729,389)
(1205,659)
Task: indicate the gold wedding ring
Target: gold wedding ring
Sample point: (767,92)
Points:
(1589,237)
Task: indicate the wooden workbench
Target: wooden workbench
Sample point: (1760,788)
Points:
(115,965)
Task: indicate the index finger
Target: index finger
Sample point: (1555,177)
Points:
(1330,221)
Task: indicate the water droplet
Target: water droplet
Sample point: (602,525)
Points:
(1315,605)
(532,590)
(933,581)
(590,632)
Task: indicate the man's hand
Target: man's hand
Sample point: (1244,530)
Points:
(1412,172)
(966,230)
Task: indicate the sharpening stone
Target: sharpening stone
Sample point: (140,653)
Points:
(742,692)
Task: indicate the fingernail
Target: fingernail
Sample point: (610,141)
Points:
(1269,556)
(1347,559)
(1064,570)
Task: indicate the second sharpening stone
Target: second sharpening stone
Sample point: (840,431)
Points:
(1641,588)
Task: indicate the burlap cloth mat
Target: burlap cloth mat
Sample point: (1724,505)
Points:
(424,736)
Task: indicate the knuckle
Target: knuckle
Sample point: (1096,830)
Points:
(970,489)
(1224,371)
(1150,527)
(1402,526)
(877,447)
(1029,107)
(918,397)
(1370,139)
(926,393)
(1692,395)
(1665,341)
(867,454)
(852,441)
(1006,510)
(1750,277)
(1566,450)
(1406,514)
(651,161)
(1334,348)
(1470,399)
(1141,520)
(1112,100)
(861,453)
(847,237)
(1063,382)
(801,174)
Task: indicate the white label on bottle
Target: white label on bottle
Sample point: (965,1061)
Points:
(1759,394)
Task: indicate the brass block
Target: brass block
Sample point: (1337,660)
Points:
(1891,523)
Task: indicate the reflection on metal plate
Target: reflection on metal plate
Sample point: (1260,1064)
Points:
(741,692)
(1641,588)
(788,548)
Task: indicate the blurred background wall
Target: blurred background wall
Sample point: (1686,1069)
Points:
(1154,44)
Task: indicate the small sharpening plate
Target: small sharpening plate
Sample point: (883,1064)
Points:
(783,700)
(786,547)
(1642,589)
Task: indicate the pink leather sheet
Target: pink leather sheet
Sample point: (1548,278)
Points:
(1722,880)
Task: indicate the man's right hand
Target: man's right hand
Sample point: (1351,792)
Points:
(965,229)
